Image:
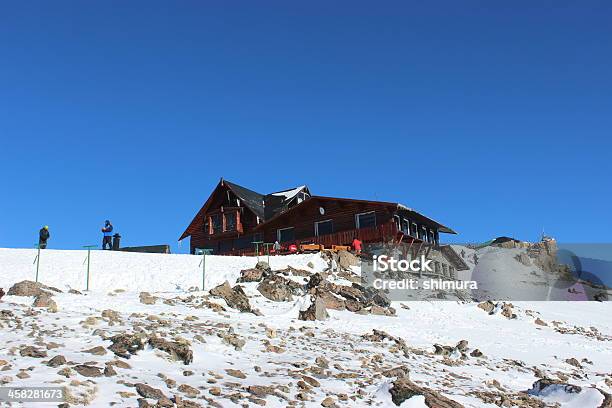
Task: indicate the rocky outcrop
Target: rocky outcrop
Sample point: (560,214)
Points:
(147,299)
(316,311)
(234,297)
(278,288)
(404,389)
(251,275)
(347,259)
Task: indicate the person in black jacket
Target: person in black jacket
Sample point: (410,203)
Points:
(43,236)
(108,235)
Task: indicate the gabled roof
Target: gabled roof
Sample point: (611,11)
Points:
(250,198)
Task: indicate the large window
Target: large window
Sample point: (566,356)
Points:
(230,221)
(406,226)
(324,227)
(365,220)
(285,234)
(217,226)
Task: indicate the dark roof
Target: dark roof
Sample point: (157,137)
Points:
(250,198)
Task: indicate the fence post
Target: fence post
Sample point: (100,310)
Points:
(205,252)
(37,260)
(257,247)
(88,247)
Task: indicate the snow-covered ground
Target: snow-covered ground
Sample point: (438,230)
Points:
(306,363)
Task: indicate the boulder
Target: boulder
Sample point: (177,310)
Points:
(251,275)
(278,288)
(31,351)
(234,297)
(316,311)
(44,300)
(347,259)
(177,350)
(263,266)
(404,389)
(57,361)
(147,391)
(88,370)
(125,345)
(29,288)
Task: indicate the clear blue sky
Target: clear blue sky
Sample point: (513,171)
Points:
(494,118)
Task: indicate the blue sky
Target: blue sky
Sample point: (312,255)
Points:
(494,118)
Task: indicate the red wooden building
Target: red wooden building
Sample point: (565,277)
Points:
(234,217)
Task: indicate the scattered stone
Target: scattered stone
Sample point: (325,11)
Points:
(88,370)
(124,345)
(177,350)
(574,362)
(44,300)
(328,402)
(147,391)
(540,322)
(236,373)
(404,389)
(263,266)
(347,259)
(188,390)
(97,351)
(251,275)
(31,351)
(398,372)
(109,371)
(57,361)
(147,299)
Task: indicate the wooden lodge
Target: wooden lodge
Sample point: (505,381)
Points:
(234,217)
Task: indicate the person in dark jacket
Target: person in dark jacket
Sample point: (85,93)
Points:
(107,230)
(43,236)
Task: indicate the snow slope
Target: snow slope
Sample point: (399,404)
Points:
(515,351)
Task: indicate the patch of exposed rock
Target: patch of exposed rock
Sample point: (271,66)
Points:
(316,310)
(278,288)
(234,297)
(177,350)
(404,389)
(125,345)
(29,288)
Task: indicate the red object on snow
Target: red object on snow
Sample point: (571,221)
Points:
(356,245)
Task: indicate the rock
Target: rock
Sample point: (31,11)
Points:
(233,340)
(487,306)
(347,259)
(188,390)
(111,314)
(74,292)
(328,402)
(109,371)
(441,350)
(399,372)
(164,402)
(124,345)
(235,373)
(57,361)
(147,391)
(147,299)
(540,322)
(404,389)
(311,381)
(97,351)
(2,293)
(31,351)
(462,345)
(316,311)
(476,353)
(574,362)
(322,362)
(29,288)
(65,372)
(216,391)
(177,350)
(278,288)
(251,275)
(261,390)
(22,375)
(263,266)
(88,370)
(310,265)
(234,297)
(331,301)
(44,300)
(507,311)
(314,281)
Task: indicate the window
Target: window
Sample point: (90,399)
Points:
(285,234)
(445,269)
(414,230)
(365,220)
(215,219)
(324,227)
(230,221)
(406,226)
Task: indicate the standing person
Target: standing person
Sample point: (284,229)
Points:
(276,247)
(356,245)
(43,236)
(108,235)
